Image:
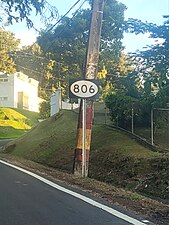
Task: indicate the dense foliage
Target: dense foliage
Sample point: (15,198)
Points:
(67,43)
(44,110)
(147,84)
(139,80)
(8,43)
(14,10)
(31,61)
(156,58)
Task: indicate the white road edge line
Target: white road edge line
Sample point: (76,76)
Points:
(79,196)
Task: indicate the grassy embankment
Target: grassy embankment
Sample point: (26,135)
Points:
(15,122)
(115,157)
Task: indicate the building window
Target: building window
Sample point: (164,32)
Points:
(3,79)
(3,98)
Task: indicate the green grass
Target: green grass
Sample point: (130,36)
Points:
(161,135)
(10,132)
(104,136)
(31,117)
(11,114)
(53,135)
(14,122)
(115,157)
(52,142)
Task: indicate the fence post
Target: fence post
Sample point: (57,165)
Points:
(132,119)
(152,127)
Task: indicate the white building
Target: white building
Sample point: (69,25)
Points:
(19,91)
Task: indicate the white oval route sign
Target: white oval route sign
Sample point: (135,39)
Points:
(84,88)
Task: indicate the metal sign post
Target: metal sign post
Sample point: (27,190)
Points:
(84,89)
(84,139)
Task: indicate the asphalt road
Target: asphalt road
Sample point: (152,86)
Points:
(25,200)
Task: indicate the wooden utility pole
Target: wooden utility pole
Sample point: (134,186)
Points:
(91,69)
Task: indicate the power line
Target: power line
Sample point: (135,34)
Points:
(25,54)
(29,54)
(29,69)
(41,57)
(64,15)
(65,25)
(34,70)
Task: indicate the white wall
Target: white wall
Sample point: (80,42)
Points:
(54,103)
(69,106)
(29,87)
(19,82)
(6,91)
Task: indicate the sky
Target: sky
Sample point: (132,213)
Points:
(145,10)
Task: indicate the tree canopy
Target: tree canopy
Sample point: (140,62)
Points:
(156,58)
(18,11)
(8,43)
(31,61)
(67,43)
(148,82)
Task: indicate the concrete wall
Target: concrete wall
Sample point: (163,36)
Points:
(29,87)
(19,91)
(56,104)
(69,106)
(6,91)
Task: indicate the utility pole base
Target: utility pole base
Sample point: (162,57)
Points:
(77,170)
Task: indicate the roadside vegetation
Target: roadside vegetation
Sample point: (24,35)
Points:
(15,122)
(124,169)
(116,158)
(136,81)
(133,83)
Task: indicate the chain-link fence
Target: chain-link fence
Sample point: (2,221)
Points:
(160,120)
(101,114)
(153,125)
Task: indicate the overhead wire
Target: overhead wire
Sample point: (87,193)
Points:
(25,54)
(32,55)
(66,24)
(28,69)
(41,57)
(64,15)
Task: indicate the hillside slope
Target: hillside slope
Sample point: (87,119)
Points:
(115,157)
(15,122)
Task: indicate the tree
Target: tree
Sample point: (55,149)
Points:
(150,71)
(8,43)
(162,98)
(31,61)
(119,76)
(153,63)
(44,109)
(21,10)
(67,42)
(120,106)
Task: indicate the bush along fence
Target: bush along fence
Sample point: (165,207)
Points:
(151,128)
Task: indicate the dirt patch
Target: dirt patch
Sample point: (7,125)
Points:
(153,210)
